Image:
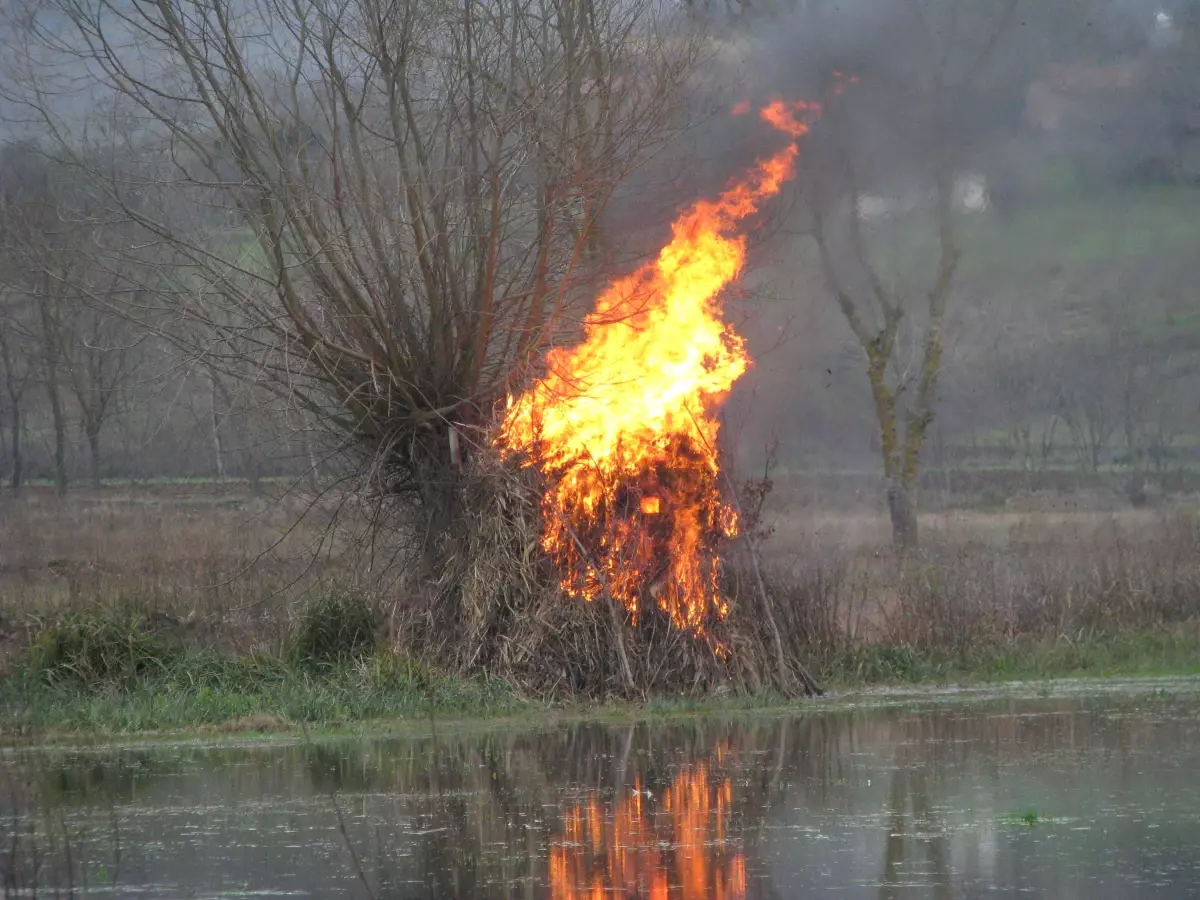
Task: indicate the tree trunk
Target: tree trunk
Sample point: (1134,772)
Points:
(903,512)
(60,425)
(215,422)
(93,438)
(18,469)
(15,397)
(51,338)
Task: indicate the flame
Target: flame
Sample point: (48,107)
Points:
(673,845)
(786,115)
(623,425)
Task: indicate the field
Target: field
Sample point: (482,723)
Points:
(186,605)
(229,563)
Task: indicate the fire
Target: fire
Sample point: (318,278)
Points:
(672,845)
(623,425)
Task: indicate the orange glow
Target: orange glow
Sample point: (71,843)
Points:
(787,115)
(741,108)
(623,425)
(674,844)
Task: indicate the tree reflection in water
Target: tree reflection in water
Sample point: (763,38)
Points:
(919,856)
(654,845)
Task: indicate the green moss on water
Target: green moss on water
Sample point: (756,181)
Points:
(1029,818)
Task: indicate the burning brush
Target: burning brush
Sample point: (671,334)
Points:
(623,425)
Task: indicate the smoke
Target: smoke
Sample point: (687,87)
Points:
(1052,118)
(1072,122)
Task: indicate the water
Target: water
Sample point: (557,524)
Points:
(1091,794)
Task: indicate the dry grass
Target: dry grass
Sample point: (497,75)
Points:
(984,581)
(233,572)
(230,562)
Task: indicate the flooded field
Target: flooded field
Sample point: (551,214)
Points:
(1083,794)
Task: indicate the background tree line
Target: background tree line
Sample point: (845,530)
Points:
(266,238)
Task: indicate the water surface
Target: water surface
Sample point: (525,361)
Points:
(1087,795)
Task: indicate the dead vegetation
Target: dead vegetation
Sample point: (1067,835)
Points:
(986,583)
(498,608)
(217,563)
(209,569)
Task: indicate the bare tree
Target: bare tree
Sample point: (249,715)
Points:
(85,344)
(896,136)
(1090,413)
(16,367)
(36,250)
(384,206)
(217,394)
(101,359)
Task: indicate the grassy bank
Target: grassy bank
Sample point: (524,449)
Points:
(122,667)
(144,612)
(205,690)
(107,675)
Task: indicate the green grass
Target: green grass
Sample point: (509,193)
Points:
(335,628)
(207,689)
(181,690)
(115,669)
(1029,818)
(1160,652)
(1089,226)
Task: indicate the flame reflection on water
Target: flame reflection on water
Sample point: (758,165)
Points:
(671,844)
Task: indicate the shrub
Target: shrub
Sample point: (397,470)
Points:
(333,628)
(100,646)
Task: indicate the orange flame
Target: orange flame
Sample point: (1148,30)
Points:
(623,424)
(674,845)
(786,115)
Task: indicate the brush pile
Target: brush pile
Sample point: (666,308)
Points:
(497,607)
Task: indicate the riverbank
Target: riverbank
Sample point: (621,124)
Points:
(160,690)
(205,612)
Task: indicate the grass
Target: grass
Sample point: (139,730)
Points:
(1173,651)
(120,668)
(333,629)
(194,690)
(144,683)
(1102,224)
(180,615)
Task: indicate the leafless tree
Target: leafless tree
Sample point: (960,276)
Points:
(386,207)
(16,367)
(35,244)
(895,134)
(101,357)
(1090,412)
(85,345)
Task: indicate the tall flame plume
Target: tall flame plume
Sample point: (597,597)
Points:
(623,426)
